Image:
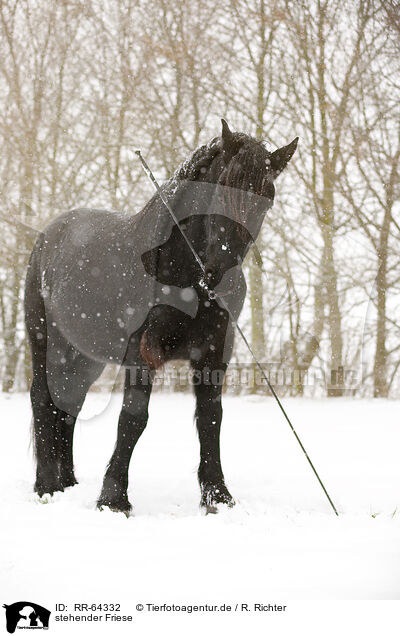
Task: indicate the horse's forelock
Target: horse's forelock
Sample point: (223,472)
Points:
(246,172)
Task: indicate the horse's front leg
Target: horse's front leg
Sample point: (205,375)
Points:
(132,422)
(208,390)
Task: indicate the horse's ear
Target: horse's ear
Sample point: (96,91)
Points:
(227,136)
(281,157)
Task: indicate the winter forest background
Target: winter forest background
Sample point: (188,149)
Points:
(83,84)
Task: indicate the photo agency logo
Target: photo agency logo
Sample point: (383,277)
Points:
(26,615)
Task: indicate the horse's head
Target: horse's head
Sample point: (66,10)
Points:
(220,196)
(245,171)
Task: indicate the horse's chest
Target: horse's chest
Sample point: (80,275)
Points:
(170,336)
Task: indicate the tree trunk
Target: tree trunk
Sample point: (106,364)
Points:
(380,362)
(257,312)
(335,373)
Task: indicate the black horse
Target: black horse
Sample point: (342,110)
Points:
(107,287)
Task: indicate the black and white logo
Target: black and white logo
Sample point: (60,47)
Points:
(26,615)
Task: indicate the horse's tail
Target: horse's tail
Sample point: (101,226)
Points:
(35,314)
(36,326)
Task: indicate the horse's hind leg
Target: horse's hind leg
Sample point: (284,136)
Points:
(68,384)
(57,397)
(45,430)
(132,422)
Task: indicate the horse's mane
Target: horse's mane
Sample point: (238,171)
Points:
(200,158)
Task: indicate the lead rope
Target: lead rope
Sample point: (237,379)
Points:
(214,296)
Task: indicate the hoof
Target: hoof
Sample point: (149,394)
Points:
(44,499)
(114,496)
(210,509)
(48,480)
(127,512)
(48,490)
(215,498)
(214,509)
(115,506)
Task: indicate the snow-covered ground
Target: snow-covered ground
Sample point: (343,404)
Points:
(281,542)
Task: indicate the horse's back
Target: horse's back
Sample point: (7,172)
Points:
(80,227)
